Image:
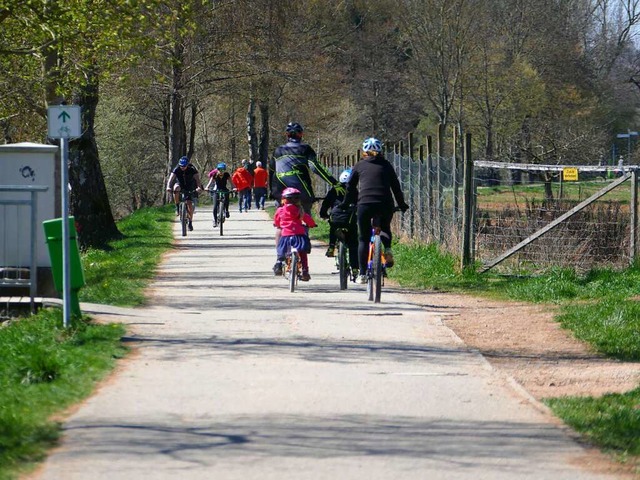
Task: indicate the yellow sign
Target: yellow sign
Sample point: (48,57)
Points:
(570,174)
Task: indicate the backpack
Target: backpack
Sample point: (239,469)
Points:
(343,218)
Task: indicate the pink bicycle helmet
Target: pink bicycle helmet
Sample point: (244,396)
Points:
(290,192)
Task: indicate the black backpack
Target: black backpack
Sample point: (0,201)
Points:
(343,217)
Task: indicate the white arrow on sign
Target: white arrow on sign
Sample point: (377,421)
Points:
(63,121)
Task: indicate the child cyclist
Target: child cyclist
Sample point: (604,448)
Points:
(291,222)
(341,220)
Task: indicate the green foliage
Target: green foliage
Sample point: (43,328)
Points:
(45,368)
(119,275)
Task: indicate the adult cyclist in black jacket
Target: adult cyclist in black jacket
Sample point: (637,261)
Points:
(372,182)
(291,166)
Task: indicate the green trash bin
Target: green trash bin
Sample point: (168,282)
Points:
(53,237)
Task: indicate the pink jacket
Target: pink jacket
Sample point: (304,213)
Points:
(288,218)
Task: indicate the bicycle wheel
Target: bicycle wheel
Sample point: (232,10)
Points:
(343,265)
(370,272)
(377,269)
(221,217)
(184,218)
(293,273)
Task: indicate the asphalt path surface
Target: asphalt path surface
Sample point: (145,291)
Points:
(234,377)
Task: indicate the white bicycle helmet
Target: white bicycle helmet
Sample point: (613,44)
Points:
(345,176)
(372,145)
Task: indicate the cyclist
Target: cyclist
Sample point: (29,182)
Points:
(345,220)
(221,178)
(291,165)
(291,222)
(372,182)
(260,178)
(243,181)
(186,179)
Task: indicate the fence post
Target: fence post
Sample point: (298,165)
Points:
(411,187)
(421,190)
(454,178)
(468,199)
(440,200)
(429,192)
(633,241)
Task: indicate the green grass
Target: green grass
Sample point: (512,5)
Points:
(118,276)
(44,369)
(611,422)
(575,191)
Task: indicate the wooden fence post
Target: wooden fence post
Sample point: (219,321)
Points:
(633,241)
(429,192)
(468,199)
(439,194)
(411,187)
(454,179)
(421,190)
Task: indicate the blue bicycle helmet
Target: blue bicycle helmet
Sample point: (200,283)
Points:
(184,161)
(345,176)
(372,145)
(222,166)
(294,128)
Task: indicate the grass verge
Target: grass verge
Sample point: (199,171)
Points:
(44,369)
(119,275)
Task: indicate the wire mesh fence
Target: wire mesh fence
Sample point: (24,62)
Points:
(513,203)
(523,218)
(432,189)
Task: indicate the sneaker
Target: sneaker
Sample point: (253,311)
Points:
(226,214)
(388,258)
(277,269)
(305,277)
(361,280)
(215,224)
(190,226)
(330,251)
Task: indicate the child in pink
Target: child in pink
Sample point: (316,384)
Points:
(291,224)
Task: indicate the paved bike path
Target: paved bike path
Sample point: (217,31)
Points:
(234,377)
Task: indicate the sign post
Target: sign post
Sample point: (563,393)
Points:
(63,122)
(628,136)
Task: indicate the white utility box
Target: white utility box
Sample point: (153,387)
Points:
(26,165)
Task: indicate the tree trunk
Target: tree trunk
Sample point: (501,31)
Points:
(89,201)
(548,191)
(252,138)
(264,134)
(177,134)
(192,129)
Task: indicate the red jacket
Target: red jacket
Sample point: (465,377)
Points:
(260,177)
(288,218)
(242,179)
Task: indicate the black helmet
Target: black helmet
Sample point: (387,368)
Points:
(294,128)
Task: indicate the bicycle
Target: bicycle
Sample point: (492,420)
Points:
(376,262)
(342,259)
(183,209)
(292,270)
(220,199)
